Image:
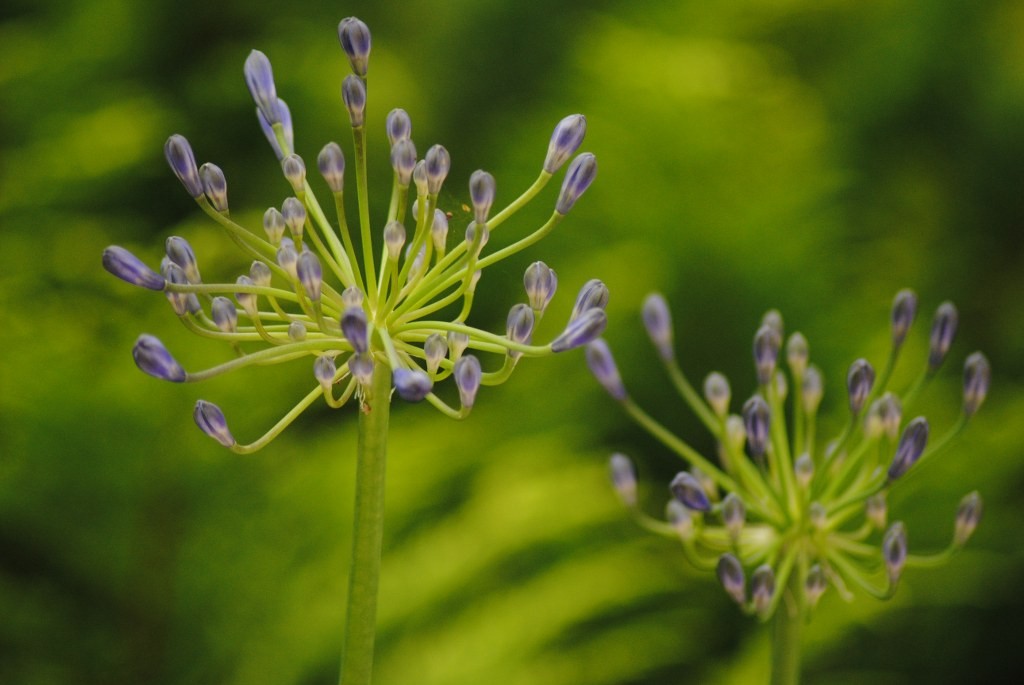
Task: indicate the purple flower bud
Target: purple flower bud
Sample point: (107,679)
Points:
(181,303)
(403,159)
(578,178)
(412,384)
(224,314)
(859,380)
(274,225)
(582,330)
(183,163)
(803,468)
(294,170)
(485,235)
(353,94)
(324,370)
(731,576)
(976,380)
(680,518)
(762,588)
(519,324)
(565,140)
(356,329)
(437,164)
(481,192)
(439,230)
(361,367)
(394,239)
(876,510)
(288,258)
(773,319)
(457,344)
(310,273)
(331,162)
(126,266)
(894,550)
(797,354)
(717,393)
(593,295)
(181,253)
(904,308)
(296,331)
(815,584)
(910,447)
(434,350)
(623,475)
(352,297)
(602,365)
(658,322)
(757,420)
(294,213)
(943,330)
(354,36)
(419,179)
(152,357)
(211,421)
(967,516)
(734,514)
(246,300)
(269,133)
(215,186)
(540,282)
(766,353)
(259,77)
(398,126)
(260,273)
(813,387)
(687,489)
(467,376)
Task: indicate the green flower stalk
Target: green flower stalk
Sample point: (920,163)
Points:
(779,518)
(369,307)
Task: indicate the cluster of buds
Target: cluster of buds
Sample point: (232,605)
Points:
(317,290)
(774,507)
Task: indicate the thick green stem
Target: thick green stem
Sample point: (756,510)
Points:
(371,458)
(786,637)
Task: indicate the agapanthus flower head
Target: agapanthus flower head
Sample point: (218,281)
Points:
(775,504)
(389,293)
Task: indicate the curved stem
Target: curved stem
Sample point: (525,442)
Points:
(371,457)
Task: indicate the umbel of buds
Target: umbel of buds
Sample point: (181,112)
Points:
(779,517)
(351,295)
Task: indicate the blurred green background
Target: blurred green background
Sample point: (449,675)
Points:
(810,155)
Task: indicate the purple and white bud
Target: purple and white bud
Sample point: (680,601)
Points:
(274,225)
(296,331)
(353,94)
(485,235)
(757,421)
(687,489)
(361,368)
(467,376)
(735,432)
(352,297)
(734,514)
(260,273)
(797,354)
(859,380)
(215,186)
(183,163)
(324,370)
(288,258)
(773,319)
(434,350)
(977,373)
(815,585)
(181,253)
(259,77)
(245,299)
(354,37)
(582,330)
(602,365)
(540,282)
(910,447)
(182,303)
(481,192)
(412,385)
(813,388)
(403,160)
(419,179)
(294,213)
(565,140)
(356,329)
(885,416)
(398,126)
(457,344)
(439,231)
(968,514)
(717,393)
(310,274)
(623,475)
(943,330)
(578,178)
(331,162)
(876,510)
(658,321)
(284,118)
(904,309)
(894,550)
(224,313)
(680,518)
(731,576)
(437,163)
(767,342)
(129,268)
(294,170)
(593,295)
(152,357)
(762,588)
(519,325)
(394,239)
(803,469)
(211,421)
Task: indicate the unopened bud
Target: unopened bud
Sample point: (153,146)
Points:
(294,213)
(310,274)
(540,282)
(578,178)
(766,353)
(294,170)
(593,295)
(211,421)
(439,231)
(180,252)
(623,475)
(734,514)
(296,331)
(602,365)
(352,297)
(324,370)
(894,550)
(215,186)
(943,329)
(910,447)
(152,357)
(398,126)
(457,344)
(876,510)
(331,162)
(403,160)
(658,321)
(259,77)
(183,163)
(467,376)
(687,489)
(976,380)
(735,432)
(354,36)
(394,239)
(274,225)
(803,468)
(565,140)
(356,329)
(762,588)
(858,382)
(717,393)
(246,300)
(224,314)
(731,576)
(412,385)
(967,516)
(904,309)
(353,94)
(589,326)
(519,324)
(813,388)
(288,258)
(260,273)
(797,354)
(129,268)
(434,350)
(437,162)
(756,421)
(815,585)
(361,368)
(481,193)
